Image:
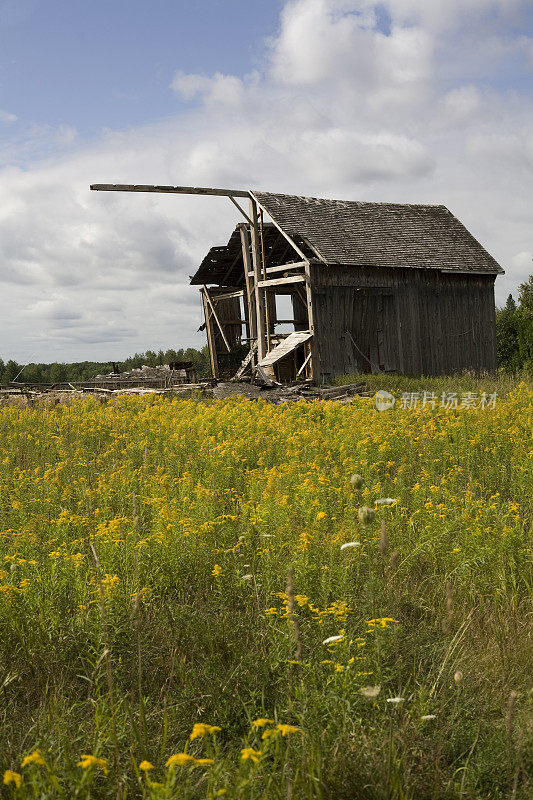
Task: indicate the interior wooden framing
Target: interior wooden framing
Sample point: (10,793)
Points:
(267,270)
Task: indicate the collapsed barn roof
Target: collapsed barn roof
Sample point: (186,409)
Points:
(353,233)
(223,264)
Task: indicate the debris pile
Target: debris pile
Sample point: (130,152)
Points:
(279,393)
(163,375)
(105,389)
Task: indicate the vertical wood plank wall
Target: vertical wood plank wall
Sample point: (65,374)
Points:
(413,321)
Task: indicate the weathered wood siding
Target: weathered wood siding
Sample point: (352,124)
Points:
(403,320)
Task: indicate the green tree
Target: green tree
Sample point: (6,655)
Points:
(524,316)
(11,371)
(58,373)
(507,336)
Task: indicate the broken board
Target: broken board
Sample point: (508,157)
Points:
(285,347)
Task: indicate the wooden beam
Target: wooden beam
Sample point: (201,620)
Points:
(228,295)
(235,203)
(468,272)
(281,281)
(304,364)
(259,295)
(245,363)
(284,267)
(128,187)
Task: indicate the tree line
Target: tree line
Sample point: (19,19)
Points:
(86,370)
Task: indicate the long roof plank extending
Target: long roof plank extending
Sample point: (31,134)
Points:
(136,187)
(379,234)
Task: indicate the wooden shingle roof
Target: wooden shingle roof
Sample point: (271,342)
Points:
(379,234)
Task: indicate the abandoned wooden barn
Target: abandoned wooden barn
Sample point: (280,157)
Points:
(320,288)
(372,287)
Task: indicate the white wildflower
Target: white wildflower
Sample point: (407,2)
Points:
(349,545)
(428,717)
(332,639)
(366,515)
(386,501)
(246,577)
(395,700)
(357,481)
(370,691)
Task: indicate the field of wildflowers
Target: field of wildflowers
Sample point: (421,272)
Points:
(242,600)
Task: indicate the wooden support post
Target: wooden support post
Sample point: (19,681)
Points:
(259,293)
(210,336)
(270,302)
(250,296)
(214,313)
(314,362)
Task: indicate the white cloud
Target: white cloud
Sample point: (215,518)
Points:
(342,107)
(462,103)
(6,117)
(452,14)
(224,89)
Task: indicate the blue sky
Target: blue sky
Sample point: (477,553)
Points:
(109,63)
(426,101)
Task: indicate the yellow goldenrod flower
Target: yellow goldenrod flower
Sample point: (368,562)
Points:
(90,762)
(200,729)
(286,729)
(180,760)
(320,515)
(12,777)
(262,722)
(145,766)
(203,761)
(248,753)
(33,758)
(216,571)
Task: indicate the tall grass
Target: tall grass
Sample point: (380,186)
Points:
(502,383)
(171,564)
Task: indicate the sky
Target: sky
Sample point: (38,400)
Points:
(424,101)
